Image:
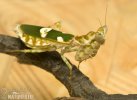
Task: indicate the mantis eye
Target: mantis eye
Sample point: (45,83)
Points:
(99,34)
(100,37)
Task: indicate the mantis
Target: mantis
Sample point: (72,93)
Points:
(41,39)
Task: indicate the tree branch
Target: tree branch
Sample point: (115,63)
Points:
(78,86)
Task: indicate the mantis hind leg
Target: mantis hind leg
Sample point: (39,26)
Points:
(28,51)
(44,50)
(68,64)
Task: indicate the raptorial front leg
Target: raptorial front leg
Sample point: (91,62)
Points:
(69,49)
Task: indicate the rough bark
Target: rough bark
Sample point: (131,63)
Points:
(78,85)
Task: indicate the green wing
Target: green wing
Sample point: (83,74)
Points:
(52,35)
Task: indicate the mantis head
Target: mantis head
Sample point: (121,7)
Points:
(100,34)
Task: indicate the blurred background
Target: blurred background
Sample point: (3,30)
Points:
(113,69)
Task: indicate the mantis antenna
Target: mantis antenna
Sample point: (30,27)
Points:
(106,12)
(100,22)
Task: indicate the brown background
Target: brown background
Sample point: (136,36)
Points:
(114,69)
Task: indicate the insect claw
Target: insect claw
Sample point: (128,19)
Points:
(79,64)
